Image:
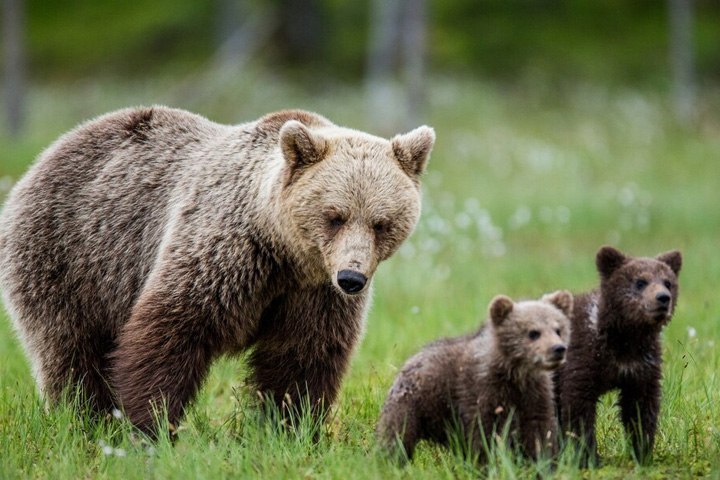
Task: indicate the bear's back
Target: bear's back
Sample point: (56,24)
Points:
(87,219)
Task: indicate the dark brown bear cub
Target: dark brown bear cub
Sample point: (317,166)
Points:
(616,345)
(479,382)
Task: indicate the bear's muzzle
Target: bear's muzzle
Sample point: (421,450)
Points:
(350,281)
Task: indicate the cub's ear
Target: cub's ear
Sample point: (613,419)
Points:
(500,308)
(609,259)
(300,146)
(562,299)
(672,259)
(412,150)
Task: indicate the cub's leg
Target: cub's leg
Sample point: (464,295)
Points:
(639,411)
(579,411)
(398,427)
(538,436)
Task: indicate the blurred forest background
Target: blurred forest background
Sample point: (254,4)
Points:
(391,47)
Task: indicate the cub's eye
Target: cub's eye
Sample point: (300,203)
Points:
(640,283)
(668,284)
(558,332)
(534,335)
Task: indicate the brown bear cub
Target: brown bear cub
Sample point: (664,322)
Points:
(473,385)
(616,345)
(146,243)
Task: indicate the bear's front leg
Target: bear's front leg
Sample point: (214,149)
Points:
(538,436)
(163,355)
(578,423)
(639,410)
(303,347)
(398,428)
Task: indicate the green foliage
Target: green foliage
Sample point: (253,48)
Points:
(522,189)
(116,37)
(619,41)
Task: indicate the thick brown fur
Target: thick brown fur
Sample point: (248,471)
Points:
(616,345)
(148,242)
(472,386)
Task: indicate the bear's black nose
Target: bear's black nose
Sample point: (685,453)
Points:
(559,351)
(662,298)
(351,281)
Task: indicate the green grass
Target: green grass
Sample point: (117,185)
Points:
(522,189)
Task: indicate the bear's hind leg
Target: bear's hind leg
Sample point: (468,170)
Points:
(77,366)
(67,356)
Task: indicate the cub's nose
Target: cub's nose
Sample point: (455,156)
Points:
(351,281)
(558,351)
(663,298)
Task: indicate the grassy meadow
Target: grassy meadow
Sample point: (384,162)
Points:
(523,187)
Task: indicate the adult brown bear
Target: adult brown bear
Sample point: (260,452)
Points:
(146,243)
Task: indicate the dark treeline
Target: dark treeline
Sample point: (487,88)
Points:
(625,41)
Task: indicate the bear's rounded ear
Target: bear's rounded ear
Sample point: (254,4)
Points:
(562,300)
(300,146)
(609,259)
(672,259)
(500,308)
(412,150)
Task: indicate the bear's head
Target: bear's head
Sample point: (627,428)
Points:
(640,290)
(352,198)
(533,334)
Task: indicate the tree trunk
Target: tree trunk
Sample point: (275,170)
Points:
(414,53)
(383,103)
(13,37)
(681,58)
(301,30)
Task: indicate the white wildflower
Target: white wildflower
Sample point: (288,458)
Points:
(521,217)
(626,196)
(562,213)
(463,220)
(546,214)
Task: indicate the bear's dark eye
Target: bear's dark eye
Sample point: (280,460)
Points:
(534,334)
(558,332)
(668,284)
(381,227)
(335,220)
(640,283)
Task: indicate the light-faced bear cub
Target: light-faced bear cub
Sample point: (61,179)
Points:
(479,382)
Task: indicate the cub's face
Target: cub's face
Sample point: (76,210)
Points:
(533,334)
(643,290)
(353,198)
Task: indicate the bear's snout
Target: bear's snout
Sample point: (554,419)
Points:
(657,303)
(558,352)
(663,299)
(351,281)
